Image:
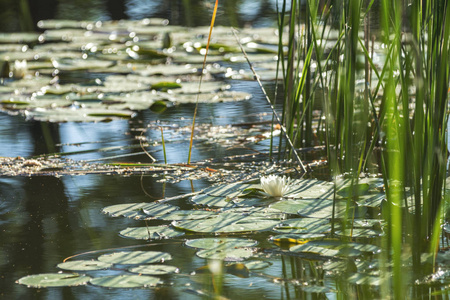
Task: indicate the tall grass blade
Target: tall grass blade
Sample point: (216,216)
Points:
(201,77)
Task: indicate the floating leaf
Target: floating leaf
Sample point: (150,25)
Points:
(360,232)
(150,232)
(135,257)
(139,211)
(226,96)
(227,222)
(84,265)
(311,189)
(303,225)
(210,243)
(310,248)
(154,269)
(372,200)
(182,215)
(125,281)
(229,190)
(64,114)
(24,37)
(212,201)
(158,106)
(226,253)
(81,64)
(317,208)
(53,280)
(165,85)
(257,264)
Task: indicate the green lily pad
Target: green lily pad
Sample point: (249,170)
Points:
(339,248)
(317,208)
(227,223)
(311,249)
(182,215)
(57,24)
(226,253)
(212,201)
(212,243)
(225,96)
(53,280)
(158,106)
(165,85)
(83,265)
(311,189)
(139,211)
(81,64)
(65,114)
(125,281)
(257,264)
(10,38)
(150,232)
(135,257)
(371,200)
(360,232)
(303,225)
(230,190)
(154,269)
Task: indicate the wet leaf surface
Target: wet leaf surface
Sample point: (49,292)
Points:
(54,280)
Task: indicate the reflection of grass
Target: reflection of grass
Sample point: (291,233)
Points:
(404,116)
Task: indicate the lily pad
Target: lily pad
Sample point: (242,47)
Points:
(317,208)
(227,223)
(360,232)
(212,243)
(225,96)
(226,253)
(125,281)
(154,269)
(64,114)
(135,257)
(139,211)
(150,232)
(182,215)
(84,265)
(303,225)
(257,264)
(54,280)
(81,64)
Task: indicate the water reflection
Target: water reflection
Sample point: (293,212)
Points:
(22,15)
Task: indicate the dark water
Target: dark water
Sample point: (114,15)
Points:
(22,15)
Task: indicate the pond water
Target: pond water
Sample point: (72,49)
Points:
(45,219)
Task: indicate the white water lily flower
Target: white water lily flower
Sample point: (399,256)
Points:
(274,185)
